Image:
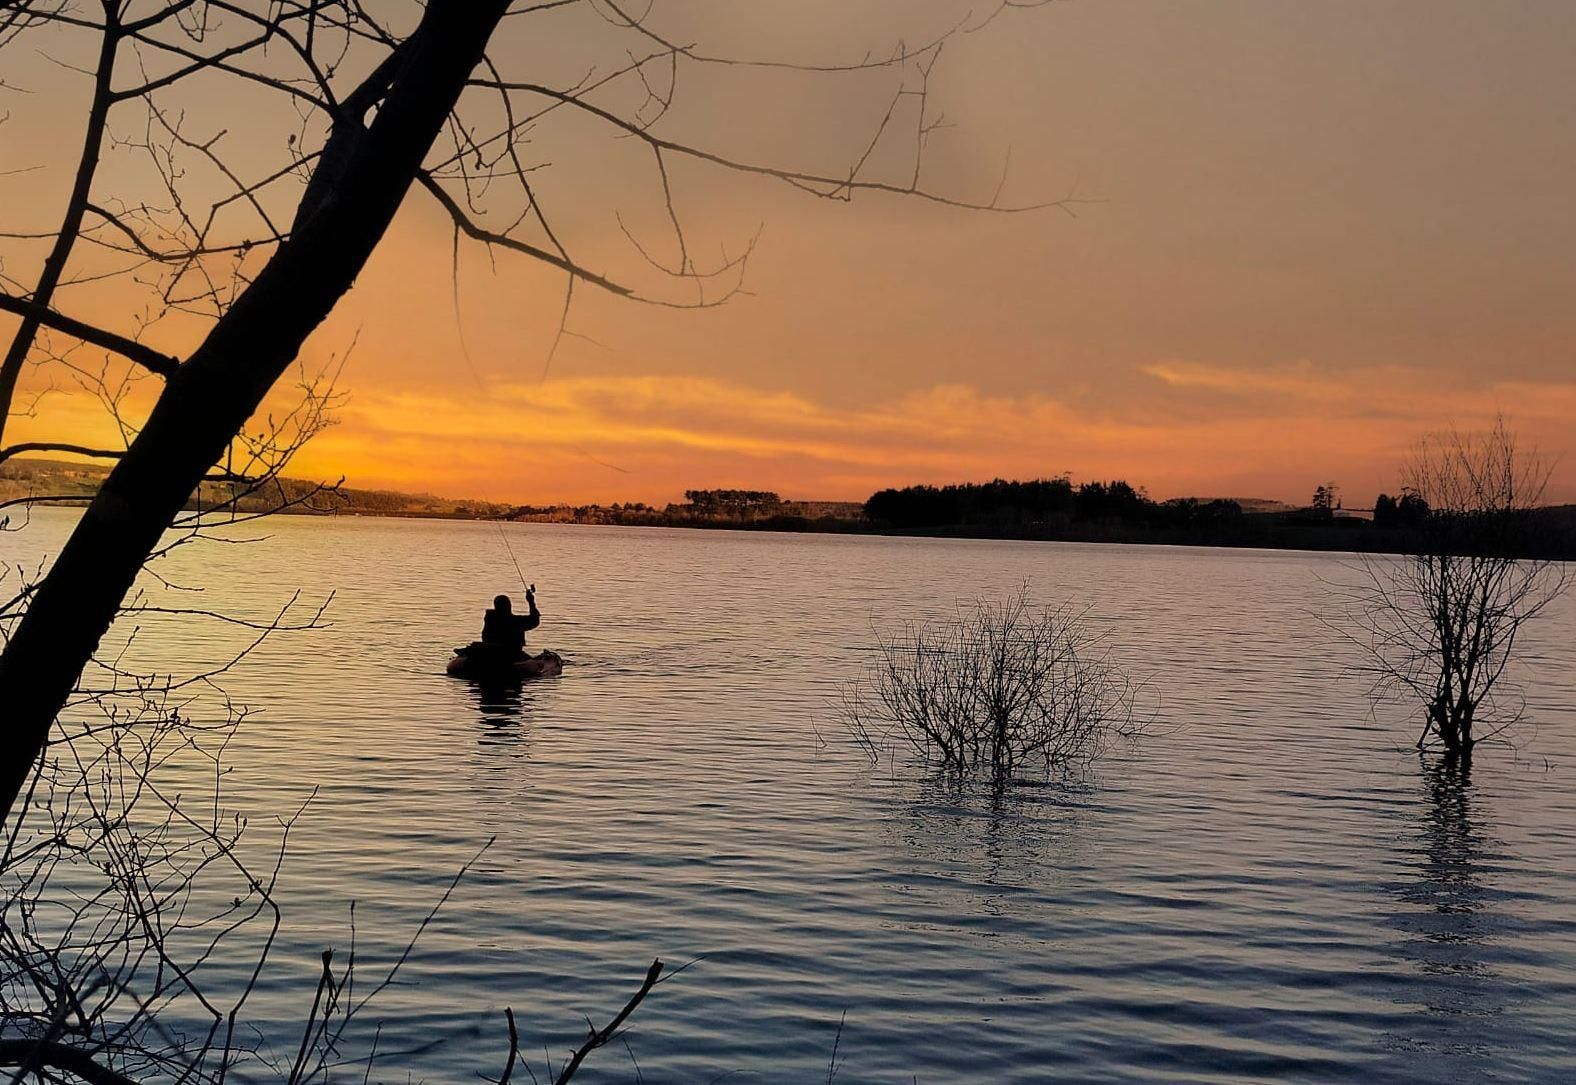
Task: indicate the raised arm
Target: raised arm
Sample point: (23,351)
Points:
(534,618)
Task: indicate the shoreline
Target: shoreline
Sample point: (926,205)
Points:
(1306,530)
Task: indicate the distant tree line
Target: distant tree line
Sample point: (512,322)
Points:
(1410,510)
(1046,508)
(760,510)
(730,504)
(1048,503)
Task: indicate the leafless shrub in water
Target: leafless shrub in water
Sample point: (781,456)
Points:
(1006,687)
(1440,626)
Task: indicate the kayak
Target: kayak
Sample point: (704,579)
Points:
(487,666)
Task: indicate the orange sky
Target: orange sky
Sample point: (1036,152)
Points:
(1312,233)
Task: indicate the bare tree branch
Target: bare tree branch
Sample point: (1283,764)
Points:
(55,446)
(152,360)
(817,184)
(465,225)
(31,1055)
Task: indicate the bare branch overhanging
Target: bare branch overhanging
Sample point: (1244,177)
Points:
(303,49)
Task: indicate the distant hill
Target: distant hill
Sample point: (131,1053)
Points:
(61,482)
(52,478)
(1254,504)
(756,510)
(70,483)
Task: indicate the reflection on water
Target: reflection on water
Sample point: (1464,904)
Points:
(1451,875)
(1005,835)
(1449,927)
(500,709)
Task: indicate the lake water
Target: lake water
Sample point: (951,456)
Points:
(1272,887)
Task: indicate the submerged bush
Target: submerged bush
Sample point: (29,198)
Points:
(1006,686)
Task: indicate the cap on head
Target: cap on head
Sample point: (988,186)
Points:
(500,602)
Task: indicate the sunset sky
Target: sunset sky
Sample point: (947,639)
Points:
(1301,236)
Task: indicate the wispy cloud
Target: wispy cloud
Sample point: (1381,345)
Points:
(652,436)
(1197,428)
(1301,381)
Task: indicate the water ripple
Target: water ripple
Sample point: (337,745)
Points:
(1272,889)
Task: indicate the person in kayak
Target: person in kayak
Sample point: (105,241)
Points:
(503,631)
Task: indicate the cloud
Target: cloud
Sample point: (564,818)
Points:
(650,437)
(1302,381)
(1197,429)
(1427,398)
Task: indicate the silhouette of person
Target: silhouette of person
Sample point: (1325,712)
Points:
(503,631)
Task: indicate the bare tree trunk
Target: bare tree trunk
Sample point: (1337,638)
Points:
(357,188)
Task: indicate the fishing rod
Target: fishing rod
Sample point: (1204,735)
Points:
(529,588)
